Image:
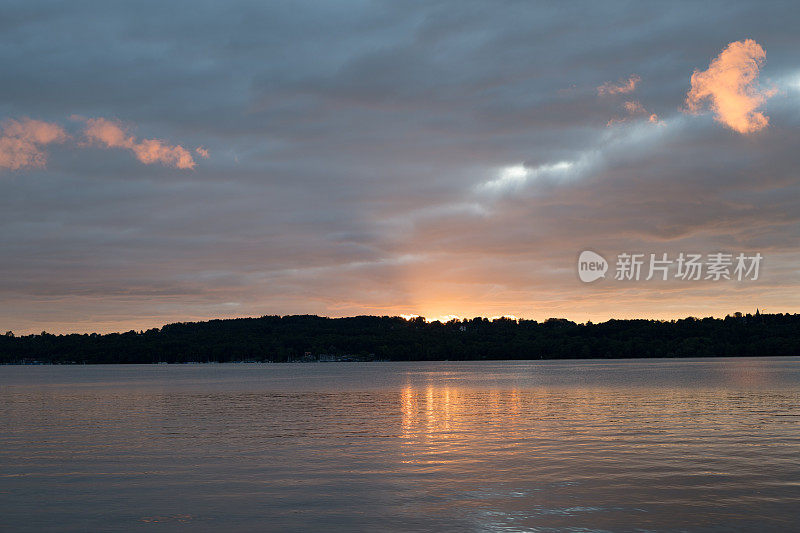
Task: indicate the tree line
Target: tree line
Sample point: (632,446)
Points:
(310,337)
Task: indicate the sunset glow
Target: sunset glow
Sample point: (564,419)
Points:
(399,266)
(446,168)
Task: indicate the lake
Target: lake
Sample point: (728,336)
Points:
(589,445)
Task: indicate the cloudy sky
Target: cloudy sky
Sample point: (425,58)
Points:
(162,162)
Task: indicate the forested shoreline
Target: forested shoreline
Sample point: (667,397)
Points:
(364,338)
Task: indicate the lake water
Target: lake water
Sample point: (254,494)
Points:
(636,445)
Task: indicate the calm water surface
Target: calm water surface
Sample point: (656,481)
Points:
(642,445)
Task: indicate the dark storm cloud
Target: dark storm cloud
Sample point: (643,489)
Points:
(351,146)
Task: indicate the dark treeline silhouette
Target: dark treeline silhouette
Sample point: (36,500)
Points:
(310,338)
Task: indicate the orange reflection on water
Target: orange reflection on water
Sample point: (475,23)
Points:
(443,424)
(428,411)
(437,420)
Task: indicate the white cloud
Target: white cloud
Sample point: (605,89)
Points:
(515,177)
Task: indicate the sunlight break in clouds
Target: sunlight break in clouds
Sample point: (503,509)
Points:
(113,135)
(621,87)
(21,142)
(730,86)
(515,177)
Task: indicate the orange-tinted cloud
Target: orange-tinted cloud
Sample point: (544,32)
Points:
(112,134)
(22,142)
(730,87)
(202,152)
(621,87)
(634,107)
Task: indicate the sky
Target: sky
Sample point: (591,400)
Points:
(164,162)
